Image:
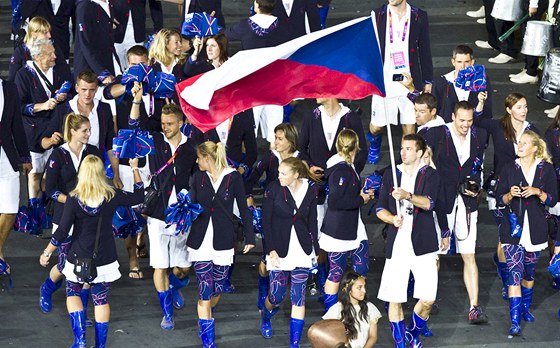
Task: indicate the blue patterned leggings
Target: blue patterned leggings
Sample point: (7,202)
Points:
(359,258)
(279,283)
(99,291)
(521,263)
(210,278)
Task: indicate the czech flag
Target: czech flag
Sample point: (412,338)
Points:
(343,62)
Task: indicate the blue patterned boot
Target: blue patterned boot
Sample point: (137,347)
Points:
(374,147)
(322,274)
(84,296)
(526,299)
(264,285)
(504,275)
(101,331)
(397,329)
(296,328)
(330,300)
(46,291)
(78,322)
(514,313)
(414,328)
(175,285)
(166,303)
(266,325)
(206,331)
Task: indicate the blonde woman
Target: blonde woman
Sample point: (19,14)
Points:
(527,185)
(211,241)
(344,233)
(166,53)
(38,28)
(91,200)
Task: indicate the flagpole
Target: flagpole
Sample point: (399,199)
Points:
(391,152)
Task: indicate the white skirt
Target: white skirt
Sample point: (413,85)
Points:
(106,273)
(9,191)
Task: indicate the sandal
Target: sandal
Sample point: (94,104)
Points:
(142,251)
(137,272)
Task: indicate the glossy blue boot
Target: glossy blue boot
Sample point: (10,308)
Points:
(78,322)
(374,147)
(84,296)
(46,291)
(175,285)
(413,331)
(514,313)
(504,275)
(426,332)
(526,299)
(330,300)
(228,286)
(322,274)
(397,329)
(206,332)
(166,303)
(296,328)
(266,325)
(264,285)
(101,331)
(323,12)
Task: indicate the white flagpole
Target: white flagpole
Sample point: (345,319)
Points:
(391,153)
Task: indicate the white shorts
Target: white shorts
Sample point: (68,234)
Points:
(465,239)
(384,111)
(166,249)
(268,117)
(39,161)
(9,191)
(394,280)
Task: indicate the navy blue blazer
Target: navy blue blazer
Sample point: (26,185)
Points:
(279,217)
(94,47)
(504,151)
(21,55)
(177,174)
(419,50)
(545,179)
(121,11)
(295,22)
(241,134)
(202,192)
(452,173)
(105,119)
(268,164)
(12,134)
(313,145)
(85,219)
(62,177)
(252,36)
(424,236)
(344,202)
(444,91)
(31,92)
(552,138)
(207,6)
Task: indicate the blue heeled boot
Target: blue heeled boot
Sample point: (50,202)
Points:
(514,313)
(296,328)
(46,291)
(228,286)
(322,274)
(397,329)
(323,12)
(84,296)
(266,325)
(101,331)
(175,285)
(374,147)
(330,300)
(414,328)
(504,275)
(78,322)
(166,303)
(206,332)
(526,299)
(264,285)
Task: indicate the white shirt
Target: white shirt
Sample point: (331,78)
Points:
(173,196)
(104,5)
(330,124)
(56,5)
(436,122)
(75,159)
(223,130)
(518,137)
(463,149)
(93,120)
(462,95)
(288,4)
(362,326)
(404,236)
(396,52)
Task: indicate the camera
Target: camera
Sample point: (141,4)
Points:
(469,184)
(398,77)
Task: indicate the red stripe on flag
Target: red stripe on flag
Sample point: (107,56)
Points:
(275,84)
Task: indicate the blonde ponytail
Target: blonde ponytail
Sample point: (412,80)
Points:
(347,143)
